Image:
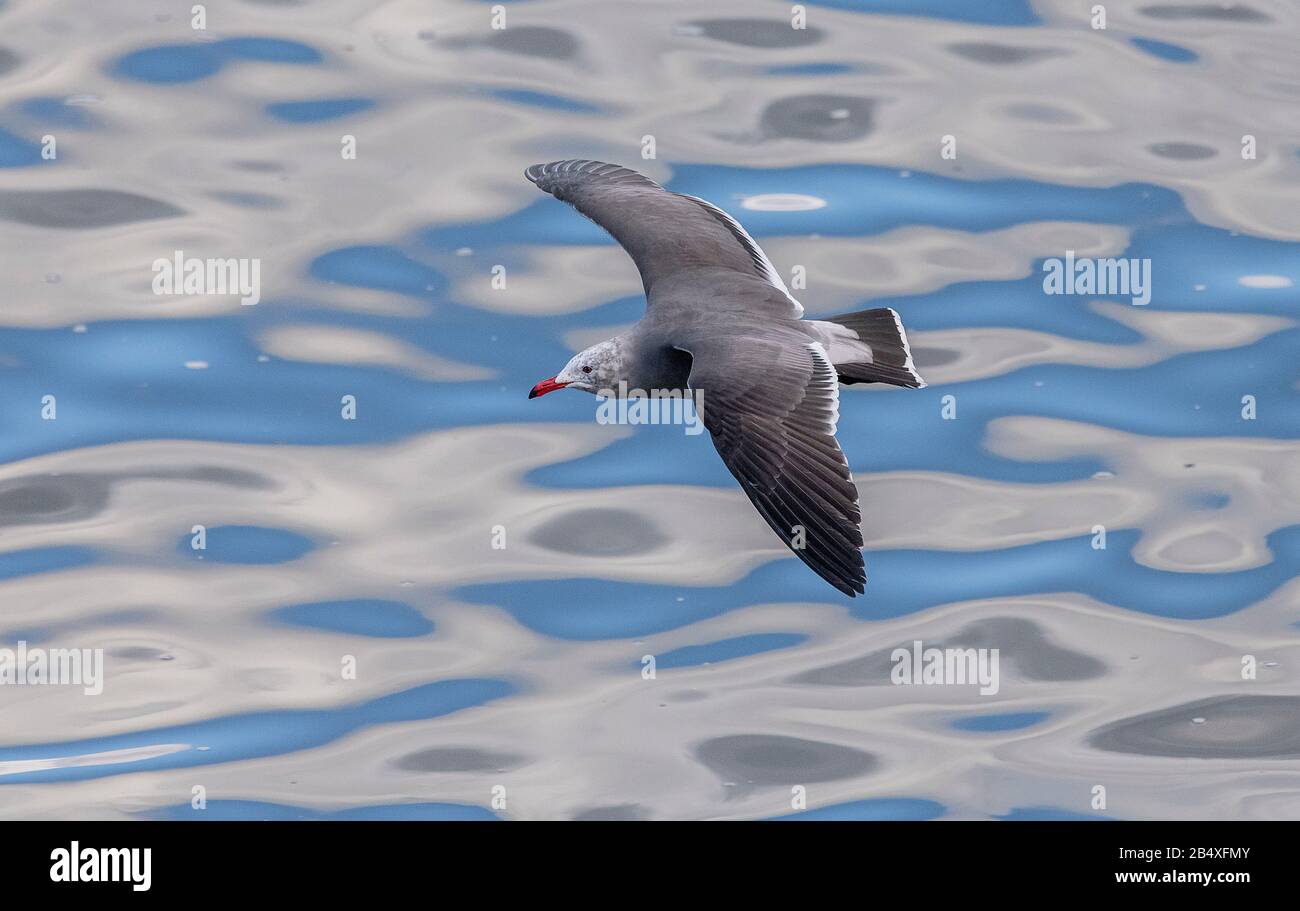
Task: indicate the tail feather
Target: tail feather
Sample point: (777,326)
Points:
(881,354)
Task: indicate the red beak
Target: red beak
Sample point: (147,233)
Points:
(546,386)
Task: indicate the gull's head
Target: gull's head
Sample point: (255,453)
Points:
(594,370)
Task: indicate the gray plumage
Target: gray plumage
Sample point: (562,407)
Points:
(720,320)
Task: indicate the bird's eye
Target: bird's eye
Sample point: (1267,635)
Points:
(586,370)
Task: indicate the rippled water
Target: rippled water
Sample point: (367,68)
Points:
(515,674)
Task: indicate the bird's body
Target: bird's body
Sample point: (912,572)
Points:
(720,321)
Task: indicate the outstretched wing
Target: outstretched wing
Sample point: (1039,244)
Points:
(771,406)
(665,233)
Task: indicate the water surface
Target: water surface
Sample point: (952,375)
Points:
(509,682)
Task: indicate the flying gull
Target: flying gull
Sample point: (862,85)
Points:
(720,322)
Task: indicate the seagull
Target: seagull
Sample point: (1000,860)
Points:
(720,322)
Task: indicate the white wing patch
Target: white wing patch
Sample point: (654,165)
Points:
(845,346)
(825,379)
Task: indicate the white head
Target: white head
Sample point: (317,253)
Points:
(598,368)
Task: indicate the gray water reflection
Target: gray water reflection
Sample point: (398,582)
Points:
(818,118)
(535,41)
(74,497)
(80,209)
(1009,54)
(1182,151)
(762,759)
(1210,12)
(458,759)
(623,812)
(603,532)
(763,33)
(1022,643)
(1221,727)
